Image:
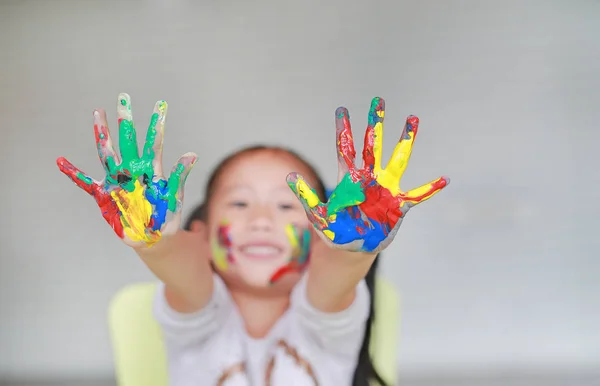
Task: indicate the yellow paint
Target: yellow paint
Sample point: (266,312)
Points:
(426,191)
(377,146)
(135,214)
(306,193)
(290,231)
(162,109)
(219,255)
(329,234)
(390,177)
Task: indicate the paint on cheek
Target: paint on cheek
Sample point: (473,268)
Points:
(221,247)
(299,239)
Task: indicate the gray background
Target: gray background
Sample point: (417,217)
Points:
(499,273)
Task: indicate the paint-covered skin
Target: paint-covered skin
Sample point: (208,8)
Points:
(221,246)
(367,206)
(134,197)
(298,238)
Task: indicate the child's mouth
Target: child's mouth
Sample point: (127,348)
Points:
(261,251)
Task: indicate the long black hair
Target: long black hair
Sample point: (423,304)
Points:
(365,371)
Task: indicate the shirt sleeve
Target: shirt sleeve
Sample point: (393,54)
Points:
(339,332)
(183,330)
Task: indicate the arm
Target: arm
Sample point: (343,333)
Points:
(181,262)
(135,198)
(362,215)
(333,276)
(191,302)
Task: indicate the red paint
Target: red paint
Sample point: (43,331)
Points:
(413,121)
(345,142)
(101,131)
(110,210)
(224,240)
(435,186)
(292,266)
(368,156)
(381,206)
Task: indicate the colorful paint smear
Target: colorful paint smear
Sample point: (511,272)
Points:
(134,196)
(367,205)
(299,240)
(221,247)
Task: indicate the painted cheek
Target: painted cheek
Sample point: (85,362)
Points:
(221,246)
(299,239)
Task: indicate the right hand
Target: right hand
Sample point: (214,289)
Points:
(135,197)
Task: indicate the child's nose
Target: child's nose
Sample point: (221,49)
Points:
(262,219)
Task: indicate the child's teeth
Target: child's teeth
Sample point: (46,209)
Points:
(261,250)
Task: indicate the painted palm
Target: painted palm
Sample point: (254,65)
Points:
(366,208)
(135,198)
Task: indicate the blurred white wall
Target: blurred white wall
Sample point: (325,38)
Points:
(500,271)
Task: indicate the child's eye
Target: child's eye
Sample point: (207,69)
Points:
(238,204)
(286,206)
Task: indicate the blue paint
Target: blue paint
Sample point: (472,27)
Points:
(156,194)
(305,247)
(346,229)
(409,129)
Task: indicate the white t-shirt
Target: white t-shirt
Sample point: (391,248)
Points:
(306,347)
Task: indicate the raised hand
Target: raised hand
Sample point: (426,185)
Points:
(366,208)
(135,197)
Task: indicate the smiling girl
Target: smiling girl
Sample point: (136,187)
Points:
(271,282)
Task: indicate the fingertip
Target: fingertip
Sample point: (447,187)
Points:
(63,164)
(190,158)
(161,107)
(413,120)
(293,177)
(124,99)
(341,112)
(378,103)
(446,180)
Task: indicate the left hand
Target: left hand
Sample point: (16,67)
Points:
(367,206)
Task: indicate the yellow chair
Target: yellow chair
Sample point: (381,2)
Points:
(139,351)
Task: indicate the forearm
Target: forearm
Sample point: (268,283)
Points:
(179,262)
(333,275)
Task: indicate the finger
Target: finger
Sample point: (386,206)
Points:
(77,176)
(106,151)
(154,138)
(315,209)
(399,160)
(424,192)
(127,136)
(345,142)
(176,183)
(374,136)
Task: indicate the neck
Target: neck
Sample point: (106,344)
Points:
(260,313)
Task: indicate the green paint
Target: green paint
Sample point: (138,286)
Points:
(132,165)
(347,193)
(151,137)
(128,140)
(123,102)
(173,186)
(373,117)
(85,178)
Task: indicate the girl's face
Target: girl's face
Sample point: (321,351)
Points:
(258,229)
